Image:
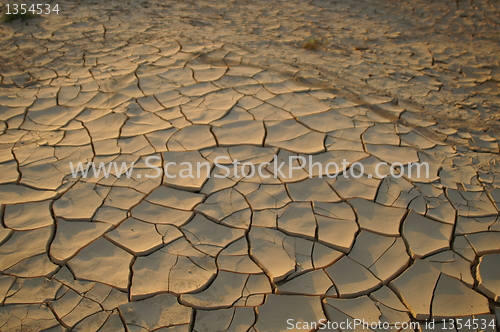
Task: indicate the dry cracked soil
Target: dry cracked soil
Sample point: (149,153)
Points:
(216,82)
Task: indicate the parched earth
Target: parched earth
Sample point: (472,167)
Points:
(179,81)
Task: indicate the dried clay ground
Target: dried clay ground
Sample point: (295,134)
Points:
(189,81)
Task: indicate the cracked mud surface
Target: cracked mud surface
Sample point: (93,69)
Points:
(193,81)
